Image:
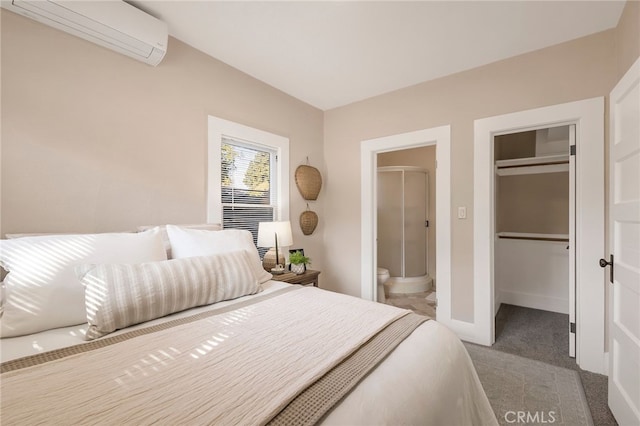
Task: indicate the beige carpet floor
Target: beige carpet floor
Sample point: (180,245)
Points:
(516,329)
(523,389)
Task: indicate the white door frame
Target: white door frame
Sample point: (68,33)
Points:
(441,137)
(588,116)
(572,241)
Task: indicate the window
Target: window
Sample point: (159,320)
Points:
(247,176)
(248,185)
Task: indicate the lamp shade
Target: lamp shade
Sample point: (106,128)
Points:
(267,232)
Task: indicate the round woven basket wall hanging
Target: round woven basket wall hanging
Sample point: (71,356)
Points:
(308,222)
(308,181)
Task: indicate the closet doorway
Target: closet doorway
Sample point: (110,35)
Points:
(535,239)
(588,117)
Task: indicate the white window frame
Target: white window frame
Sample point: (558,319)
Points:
(219,128)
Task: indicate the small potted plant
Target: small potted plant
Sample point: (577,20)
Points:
(298,262)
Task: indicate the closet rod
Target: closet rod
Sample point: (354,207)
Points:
(533,236)
(563,240)
(548,163)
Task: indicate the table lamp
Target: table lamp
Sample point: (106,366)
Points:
(274,235)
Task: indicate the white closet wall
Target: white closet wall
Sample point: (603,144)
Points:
(532,273)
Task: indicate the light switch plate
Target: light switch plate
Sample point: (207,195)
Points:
(462,212)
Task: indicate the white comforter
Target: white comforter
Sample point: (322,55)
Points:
(427,379)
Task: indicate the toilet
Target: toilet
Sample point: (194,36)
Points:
(383,276)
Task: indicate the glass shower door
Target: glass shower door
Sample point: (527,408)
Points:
(390,222)
(415,231)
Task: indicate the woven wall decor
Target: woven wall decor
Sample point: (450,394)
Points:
(308,221)
(308,181)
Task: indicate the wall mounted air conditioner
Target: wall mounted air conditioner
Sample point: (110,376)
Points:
(113,24)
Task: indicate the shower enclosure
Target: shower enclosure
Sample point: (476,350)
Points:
(403,228)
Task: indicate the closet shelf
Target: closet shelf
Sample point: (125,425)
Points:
(533,165)
(533,236)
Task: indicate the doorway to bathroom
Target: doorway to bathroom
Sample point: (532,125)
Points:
(440,137)
(406,243)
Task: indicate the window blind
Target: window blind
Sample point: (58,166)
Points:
(248,186)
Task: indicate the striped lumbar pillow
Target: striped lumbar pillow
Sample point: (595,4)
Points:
(120,295)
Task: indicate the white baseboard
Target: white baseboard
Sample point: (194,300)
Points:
(534,301)
(466,331)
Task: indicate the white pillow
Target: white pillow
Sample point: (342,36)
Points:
(122,295)
(42,291)
(194,242)
(165,237)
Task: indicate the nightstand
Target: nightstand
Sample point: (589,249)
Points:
(309,277)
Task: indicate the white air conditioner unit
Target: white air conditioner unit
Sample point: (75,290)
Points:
(113,24)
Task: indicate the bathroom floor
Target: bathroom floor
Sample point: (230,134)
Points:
(417,302)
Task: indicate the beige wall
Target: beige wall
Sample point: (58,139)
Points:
(533,203)
(515,145)
(628,37)
(537,203)
(579,69)
(95,141)
(424,157)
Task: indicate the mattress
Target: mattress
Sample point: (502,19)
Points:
(427,379)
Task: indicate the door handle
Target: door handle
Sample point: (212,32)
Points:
(604,264)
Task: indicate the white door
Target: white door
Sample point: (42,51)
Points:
(624,228)
(415,230)
(390,221)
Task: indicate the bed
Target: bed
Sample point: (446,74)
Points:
(247,350)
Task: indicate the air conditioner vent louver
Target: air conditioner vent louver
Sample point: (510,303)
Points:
(112,24)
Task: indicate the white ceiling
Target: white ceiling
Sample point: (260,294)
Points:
(332,53)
